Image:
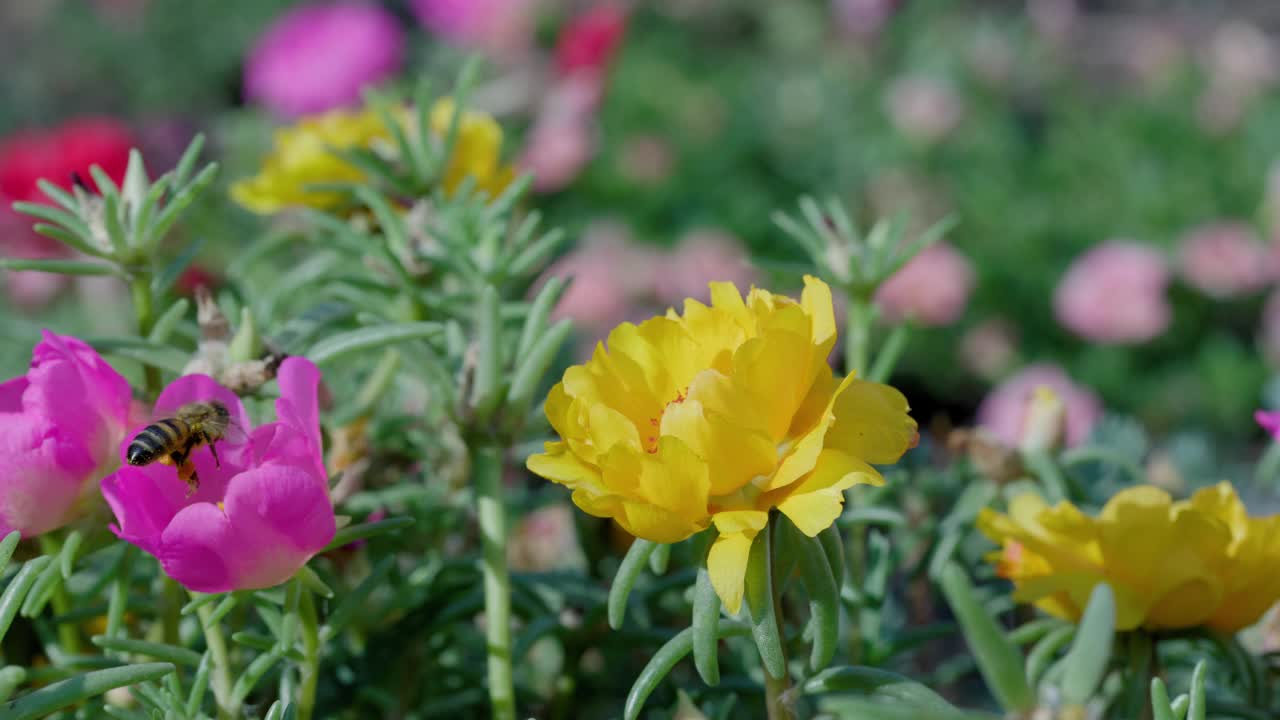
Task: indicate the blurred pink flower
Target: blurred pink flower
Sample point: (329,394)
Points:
(258,516)
(932,288)
(562,140)
(988,349)
(544,540)
(646,159)
(701,257)
(862,18)
(28,290)
(1005,409)
(60,426)
(1270,421)
(319,57)
(499,27)
(923,108)
(1226,259)
(607,275)
(1241,57)
(1115,293)
(1053,19)
(589,41)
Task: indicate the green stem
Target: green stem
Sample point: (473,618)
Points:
(775,689)
(857,338)
(68,634)
(140,288)
(310,670)
(486,463)
(1141,654)
(855,563)
(173,602)
(220,676)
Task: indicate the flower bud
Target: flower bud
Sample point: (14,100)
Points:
(1045,422)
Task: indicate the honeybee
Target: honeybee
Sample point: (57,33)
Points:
(172,440)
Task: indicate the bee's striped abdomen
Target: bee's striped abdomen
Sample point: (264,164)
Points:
(157,440)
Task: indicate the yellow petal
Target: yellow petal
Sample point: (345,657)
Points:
(558,465)
(727,566)
(676,479)
(816,501)
(735,454)
(816,300)
(872,423)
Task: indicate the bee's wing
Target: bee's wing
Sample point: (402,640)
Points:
(236,434)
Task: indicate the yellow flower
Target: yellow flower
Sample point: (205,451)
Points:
(717,416)
(303,155)
(1183,564)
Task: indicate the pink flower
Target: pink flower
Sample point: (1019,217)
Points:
(258,517)
(1004,411)
(922,108)
(1270,421)
(589,41)
(932,288)
(59,428)
(319,57)
(1226,259)
(557,153)
(702,256)
(1115,293)
(607,273)
(862,18)
(546,539)
(989,348)
(28,290)
(502,27)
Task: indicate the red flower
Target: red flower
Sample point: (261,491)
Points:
(589,40)
(55,154)
(196,276)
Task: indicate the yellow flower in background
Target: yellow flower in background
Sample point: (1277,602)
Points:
(717,416)
(1183,564)
(303,155)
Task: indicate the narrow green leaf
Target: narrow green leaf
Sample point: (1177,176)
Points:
(58,195)
(1089,655)
(181,200)
(661,663)
(354,600)
(882,688)
(42,590)
(7,546)
(112,223)
(118,599)
(659,558)
(254,640)
(173,270)
(833,547)
(532,367)
(159,651)
(312,582)
(168,320)
(146,352)
(1180,705)
(824,596)
(369,338)
(758,593)
(220,611)
(625,579)
(943,552)
(70,239)
(187,163)
(16,592)
(60,267)
(705,627)
(1044,651)
(364,531)
(539,315)
(199,685)
(253,674)
(146,210)
(998,658)
(69,221)
(486,390)
(199,600)
(65,693)
(534,257)
(1196,703)
(67,556)
(1160,707)
(11,676)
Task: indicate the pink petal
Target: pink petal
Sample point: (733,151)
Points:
(299,405)
(42,472)
(144,501)
(202,388)
(11,394)
(1270,421)
(198,548)
(72,383)
(282,516)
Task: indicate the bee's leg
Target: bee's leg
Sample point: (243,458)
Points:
(213,450)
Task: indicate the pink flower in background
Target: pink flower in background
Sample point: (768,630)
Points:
(321,56)
(1004,411)
(588,42)
(1270,421)
(1115,293)
(1226,259)
(607,274)
(60,426)
(258,517)
(922,108)
(28,290)
(54,154)
(988,349)
(932,288)
(545,540)
(557,153)
(499,27)
(701,257)
(862,18)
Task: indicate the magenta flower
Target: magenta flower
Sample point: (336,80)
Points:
(319,57)
(1115,293)
(499,27)
(1226,259)
(1270,421)
(59,428)
(258,517)
(1005,410)
(932,288)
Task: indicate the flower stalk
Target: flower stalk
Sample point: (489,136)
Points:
(487,461)
(220,678)
(775,689)
(310,671)
(68,635)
